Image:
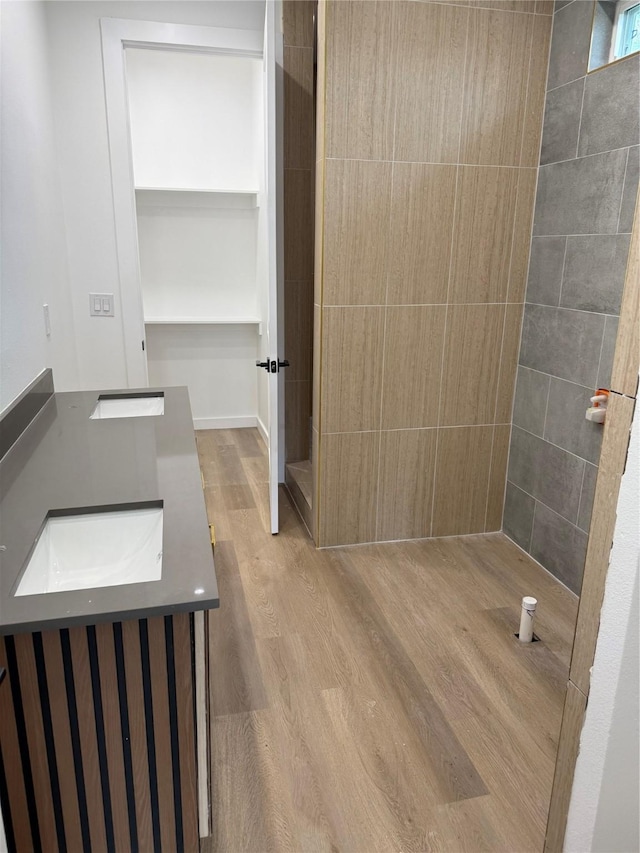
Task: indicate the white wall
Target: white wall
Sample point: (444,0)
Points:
(34,256)
(217,363)
(194,119)
(604,812)
(81,129)
(198,262)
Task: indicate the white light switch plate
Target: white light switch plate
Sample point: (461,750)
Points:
(101,304)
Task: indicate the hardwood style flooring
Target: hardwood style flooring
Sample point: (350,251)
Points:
(374,698)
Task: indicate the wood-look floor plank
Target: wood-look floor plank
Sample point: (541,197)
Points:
(236,686)
(394,703)
(249,814)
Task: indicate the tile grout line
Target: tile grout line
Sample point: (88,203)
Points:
(419,429)
(446,316)
(546,506)
(564,262)
(551,443)
(568,83)
(604,328)
(460,304)
(546,411)
(584,156)
(520,336)
(428,162)
(584,89)
(624,183)
(526,97)
(386,287)
(584,473)
(565,307)
(533,520)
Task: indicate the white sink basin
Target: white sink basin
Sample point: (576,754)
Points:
(95,550)
(128,407)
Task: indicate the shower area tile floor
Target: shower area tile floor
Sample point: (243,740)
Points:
(374,698)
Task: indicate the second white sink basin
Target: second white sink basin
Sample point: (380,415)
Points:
(148,405)
(95,549)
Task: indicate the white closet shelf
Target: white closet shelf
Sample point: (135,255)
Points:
(163,197)
(202,321)
(194,190)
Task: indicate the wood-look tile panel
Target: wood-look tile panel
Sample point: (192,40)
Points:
(321,85)
(572,720)
(483,234)
(528,6)
(624,377)
(407,461)
(298,226)
(497,70)
(413,344)
(422,205)
(357,201)
(497,477)
(298,108)
(298,334)
(317,363)
(538,65)
(360,87)
(615,443)
(351,359)
(471,364)
(508,363)
(430,49)
(523,221)
(348,488)
(297,415)
(297,22)
(463,465)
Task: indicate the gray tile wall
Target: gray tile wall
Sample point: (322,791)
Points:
(584,209)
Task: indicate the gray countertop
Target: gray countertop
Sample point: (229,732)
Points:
(64,460)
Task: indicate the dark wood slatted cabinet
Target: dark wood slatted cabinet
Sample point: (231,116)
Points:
(98,737)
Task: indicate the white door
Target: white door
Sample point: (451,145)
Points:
(273,51)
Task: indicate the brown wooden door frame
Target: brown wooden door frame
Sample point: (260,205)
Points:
(624,387)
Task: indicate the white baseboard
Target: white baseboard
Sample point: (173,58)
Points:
(226,423)
(263,431)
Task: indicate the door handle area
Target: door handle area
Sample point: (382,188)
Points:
(273,366)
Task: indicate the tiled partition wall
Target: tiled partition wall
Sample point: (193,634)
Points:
(298,222)
(429,121)
(583,217)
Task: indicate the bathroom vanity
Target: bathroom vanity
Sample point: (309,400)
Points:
(106,574)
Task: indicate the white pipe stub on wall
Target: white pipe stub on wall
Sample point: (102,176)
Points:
(529,604)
